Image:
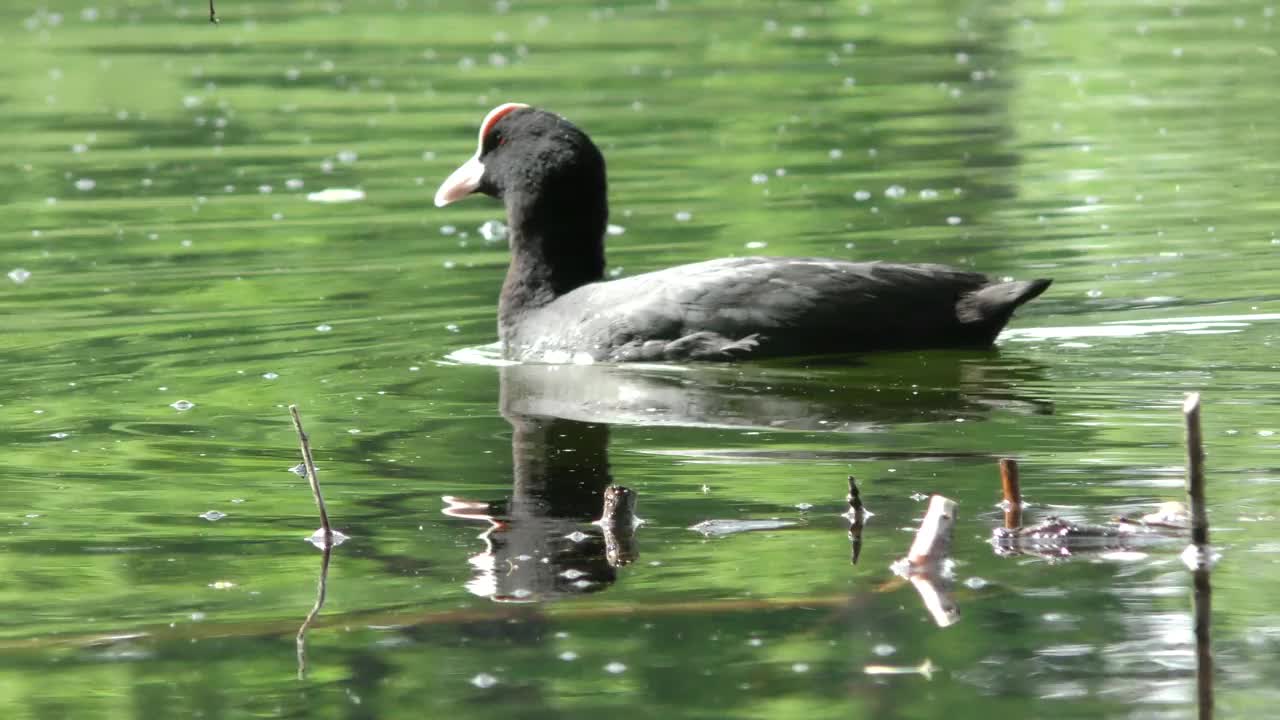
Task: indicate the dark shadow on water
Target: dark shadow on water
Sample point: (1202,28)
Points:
(869,396)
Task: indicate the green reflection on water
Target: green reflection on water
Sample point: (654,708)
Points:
(1125,149)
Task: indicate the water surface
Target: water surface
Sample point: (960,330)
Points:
(161,251)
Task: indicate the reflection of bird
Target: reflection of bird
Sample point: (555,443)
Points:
(541,542)
(555,304)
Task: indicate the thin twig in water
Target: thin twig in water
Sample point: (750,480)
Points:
(310,465)
(213,14)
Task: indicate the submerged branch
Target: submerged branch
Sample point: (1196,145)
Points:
(321,589)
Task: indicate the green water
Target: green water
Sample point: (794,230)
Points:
(154,183)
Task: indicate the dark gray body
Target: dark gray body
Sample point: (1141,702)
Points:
(760,307)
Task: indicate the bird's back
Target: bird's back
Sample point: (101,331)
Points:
(789,306)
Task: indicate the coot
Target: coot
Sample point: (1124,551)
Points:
(556,305)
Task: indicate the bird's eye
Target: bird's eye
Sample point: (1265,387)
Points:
(502,140)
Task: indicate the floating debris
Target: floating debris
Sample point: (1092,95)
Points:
(721,528)
(336,195)
(925,668)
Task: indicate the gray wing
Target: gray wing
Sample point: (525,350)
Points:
(808,303)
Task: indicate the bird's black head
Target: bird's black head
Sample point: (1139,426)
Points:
(532,154)
(551,178)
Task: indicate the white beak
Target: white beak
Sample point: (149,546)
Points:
(461,182)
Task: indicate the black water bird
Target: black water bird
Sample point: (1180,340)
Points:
(556,304)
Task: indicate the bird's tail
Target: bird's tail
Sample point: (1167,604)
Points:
(992,305)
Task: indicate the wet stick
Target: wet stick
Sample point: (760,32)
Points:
(1202,598)
(310,465)
(1195,471)
(856,516)
(923,566)
(1012,493)
(933,539)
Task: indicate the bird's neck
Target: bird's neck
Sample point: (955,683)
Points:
(556,247)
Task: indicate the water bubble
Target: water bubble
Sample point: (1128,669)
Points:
(895,192)
(884,649)
(270,375)
(452,327)
(85,184)
(928,194)
(493,231)
(294,183)
(336,195)
(484,681)
(347,157)
(182,405)
(756,245)
(322,327)
(568,656)
(300,470)
(212,515)
(612,229)
(19,275)
(975,583)
(862,195)
(1094,293)
(615,668)
(577,536)
(800,667)
(835,153)
(683,216)
(759,179)
(448,229)
(60,435)
(954,220)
